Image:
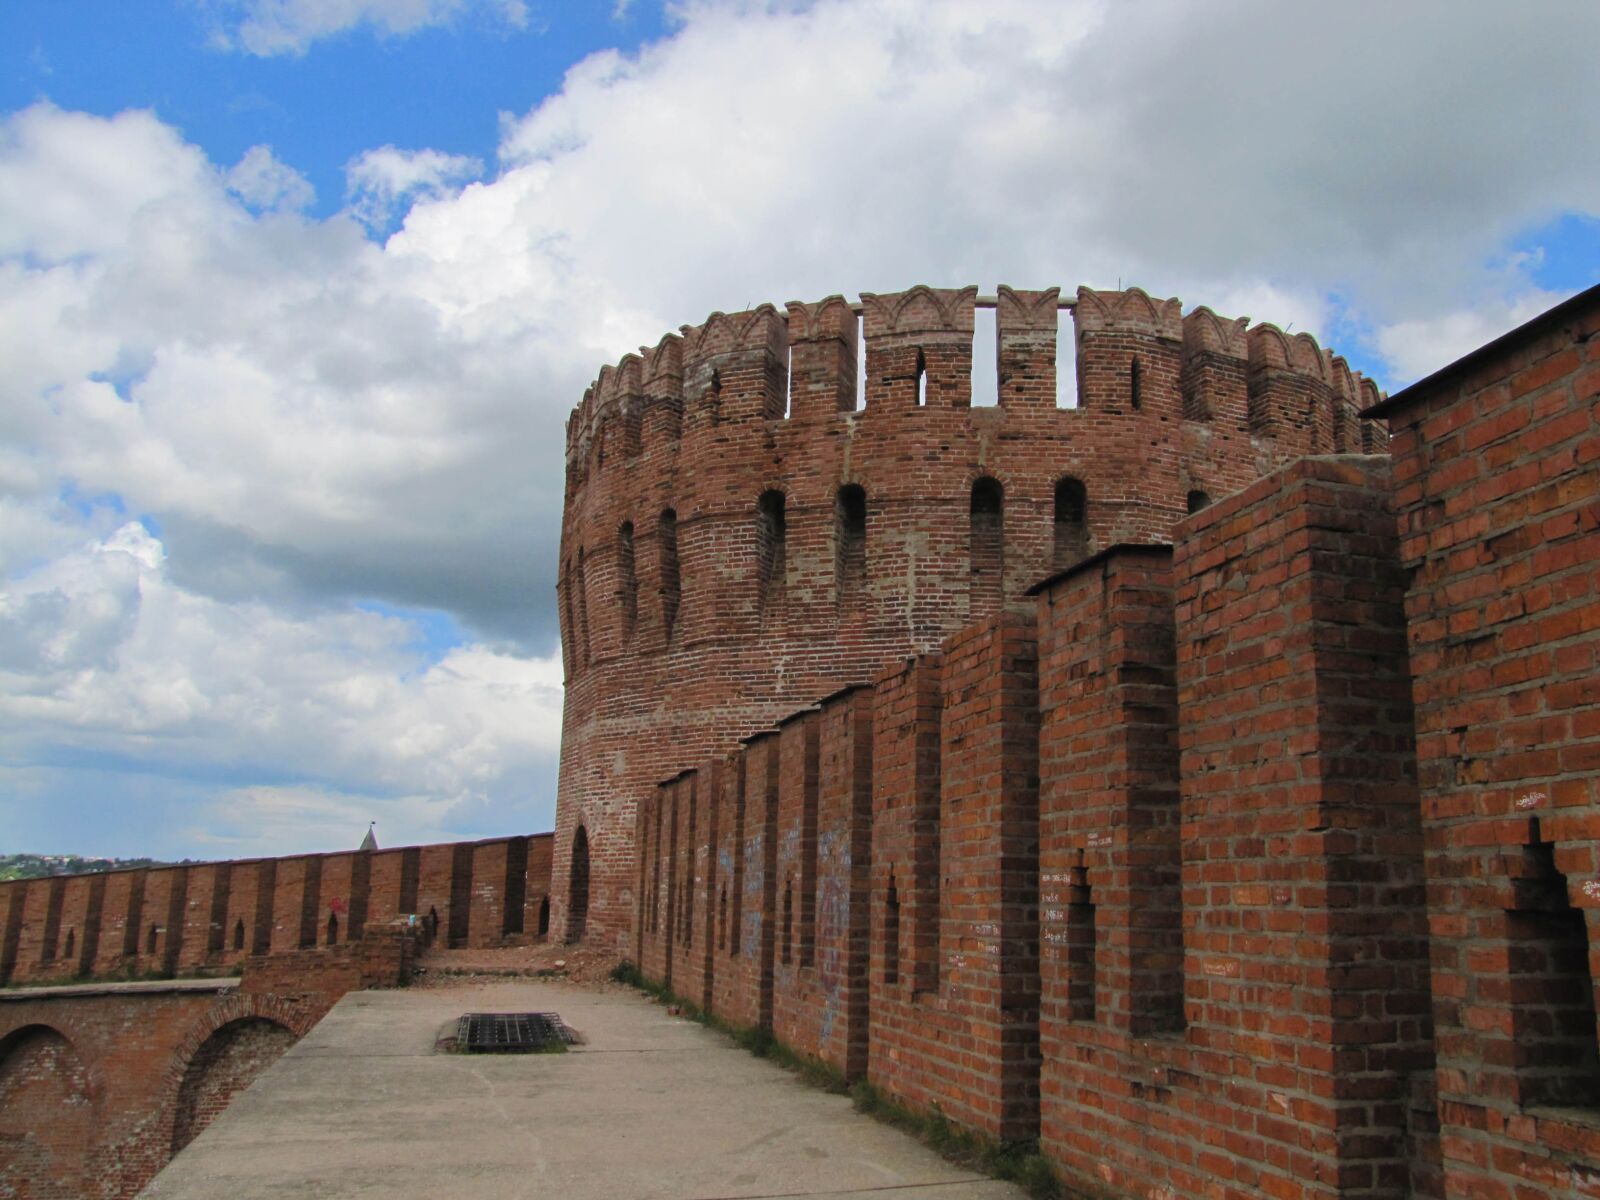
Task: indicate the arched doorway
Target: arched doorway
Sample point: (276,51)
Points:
(47,1122)
(223,1066)
(578,895)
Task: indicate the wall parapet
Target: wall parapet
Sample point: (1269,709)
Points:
(200,919)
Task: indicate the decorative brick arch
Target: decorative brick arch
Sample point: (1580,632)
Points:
(56,1165)
(241,1006)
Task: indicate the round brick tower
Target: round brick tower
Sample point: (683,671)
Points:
(743,534)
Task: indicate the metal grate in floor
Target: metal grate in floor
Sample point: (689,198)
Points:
(511,1033)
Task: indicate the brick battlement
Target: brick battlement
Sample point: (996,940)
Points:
(1260,863)
(213,917)
(743,531)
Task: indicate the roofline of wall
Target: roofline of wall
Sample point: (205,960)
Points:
(1431,383)
(1095,559)
(140,987)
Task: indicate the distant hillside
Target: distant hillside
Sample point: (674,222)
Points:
(37,866)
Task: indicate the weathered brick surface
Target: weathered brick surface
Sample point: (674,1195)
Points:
(712,579)
(1304,1034)
(905,956)
(95,1090)
(208,917)
(1498,492)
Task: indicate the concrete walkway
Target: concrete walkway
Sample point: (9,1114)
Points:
(651,1107)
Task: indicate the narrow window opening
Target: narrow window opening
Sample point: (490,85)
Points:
(1552,988)
(627,580)
(987,547)
(713,398)
(1080,947)
(578,889)
(333,929)
(922,379)
(788,922)
(891,936)
(238,935)
(150,942)
(1072,521)
(1198,500)
(1134,396)
(433,922)
(771,550)
(544,916)
(1066,360)
(667,535)
(850,545)
(985,359)
(71,945)
(788,381)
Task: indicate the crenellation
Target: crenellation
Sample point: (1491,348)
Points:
(1025,342)
(919,349)
(822,358)
(1216,370)
(877,550)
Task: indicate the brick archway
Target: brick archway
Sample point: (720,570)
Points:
(188,1099)
(48,1114)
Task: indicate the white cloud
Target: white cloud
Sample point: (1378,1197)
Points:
(379,181)
(1420,346)
(268,27)
(311,417)
(101,652)
(262,182)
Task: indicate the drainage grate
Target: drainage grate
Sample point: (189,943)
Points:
(511,1033)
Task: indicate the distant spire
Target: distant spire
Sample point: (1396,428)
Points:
(370,842)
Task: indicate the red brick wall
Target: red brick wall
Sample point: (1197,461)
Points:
(226,1063)
(904,937)
(820,998)
(797,1006)
(752,969)
(209,917)
(93,1086)
(1499,501)
(1157,886)
(1111,921)
(1302,1065)
(727,999)
(697,426)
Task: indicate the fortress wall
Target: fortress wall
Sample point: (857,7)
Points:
(796,1004)
(1145,869)
(753,971)
(714,577)
(727,999)
(1315,839)
(905,954)
(825,800)
(208,918)
(1499,506)
(99,1086)
(704,884)
(1111,941)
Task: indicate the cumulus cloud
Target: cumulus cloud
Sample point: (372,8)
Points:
(262,182)
(378,182)
(102,653)
(268,27)
(315,412)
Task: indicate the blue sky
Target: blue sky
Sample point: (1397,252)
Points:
(295,296)
(441,86)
